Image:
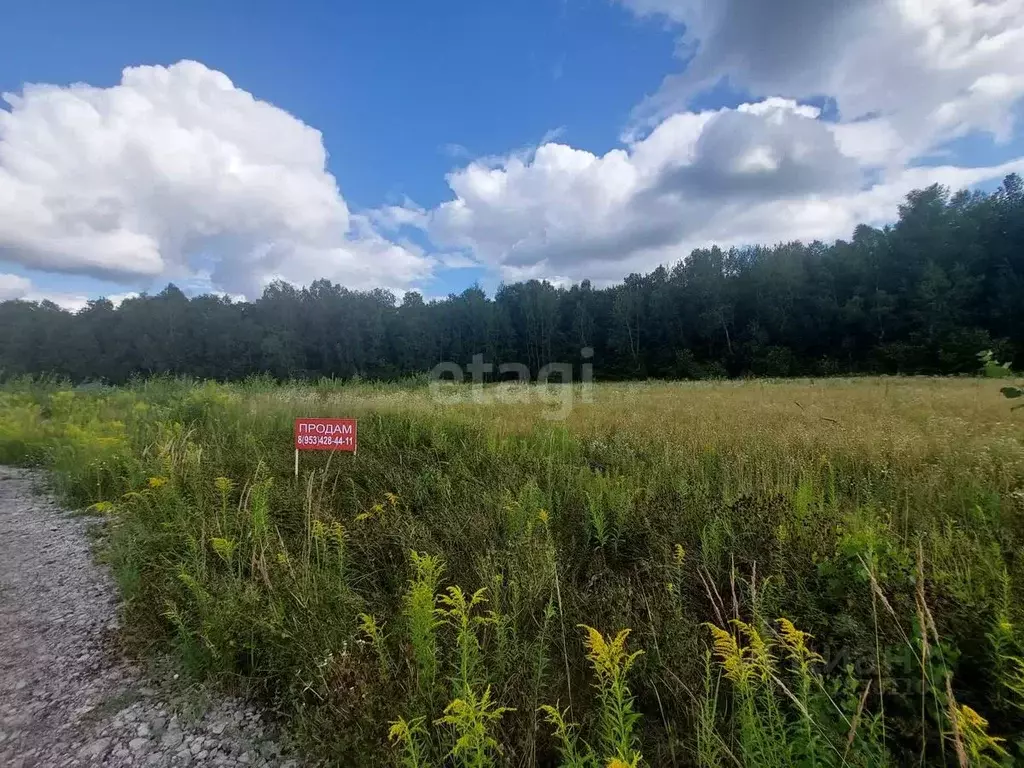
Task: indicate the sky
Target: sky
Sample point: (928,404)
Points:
(431,146)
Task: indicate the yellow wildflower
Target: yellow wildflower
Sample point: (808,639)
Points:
(729,654)
(796,642)
(679,554)
(608,656)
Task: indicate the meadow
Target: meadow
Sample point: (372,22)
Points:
(747,573)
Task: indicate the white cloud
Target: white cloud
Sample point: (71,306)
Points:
(931,69)
(457,261)
(905,75)
(14,287)
(393,217)
(69,301)
(572,214)
(774,148)
(872,142)
(175,171)
(455,150)
(761,173)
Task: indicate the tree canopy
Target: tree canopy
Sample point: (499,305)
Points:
(923,295)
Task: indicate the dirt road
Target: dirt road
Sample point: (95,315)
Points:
(67,696)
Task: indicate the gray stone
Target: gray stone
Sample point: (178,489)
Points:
(65,698)
(171,738)
(96,748)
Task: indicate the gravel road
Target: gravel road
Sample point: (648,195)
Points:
(67,696)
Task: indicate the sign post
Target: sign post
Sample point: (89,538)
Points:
(324,435)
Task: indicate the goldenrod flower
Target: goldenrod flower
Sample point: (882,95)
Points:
(679,554)
(729,654)
(796,643)
(974,731)
(608,657)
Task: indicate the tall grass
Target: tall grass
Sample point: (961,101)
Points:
(419,602)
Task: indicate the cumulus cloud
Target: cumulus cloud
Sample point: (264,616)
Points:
(175,171)
(570,213)
(930,69)
(14,287)
(394,217)
(773,148)
(774,47)
(763,172)
(905,76)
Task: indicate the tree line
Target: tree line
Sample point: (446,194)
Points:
(923,295)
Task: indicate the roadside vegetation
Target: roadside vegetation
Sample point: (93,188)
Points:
(757,573)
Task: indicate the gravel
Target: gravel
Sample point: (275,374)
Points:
(68,697)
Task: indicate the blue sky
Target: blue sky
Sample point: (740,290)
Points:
(485,127)
(395,88)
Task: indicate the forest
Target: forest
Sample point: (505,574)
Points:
(921,296)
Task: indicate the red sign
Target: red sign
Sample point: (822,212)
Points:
(325,435)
